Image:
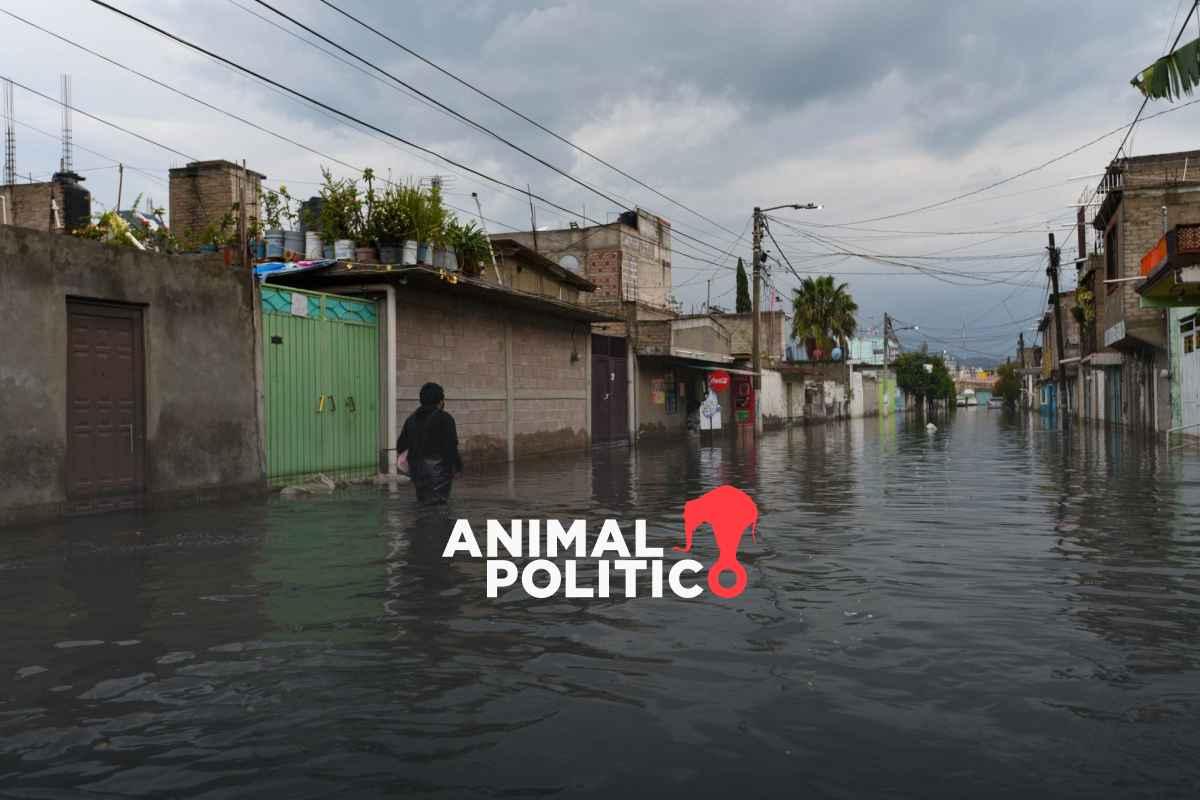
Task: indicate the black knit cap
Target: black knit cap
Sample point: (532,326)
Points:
(432,394)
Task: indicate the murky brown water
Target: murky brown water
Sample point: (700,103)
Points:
(982,611)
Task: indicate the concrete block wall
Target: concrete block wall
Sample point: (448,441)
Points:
(28,205)
(204,191)
(202,429)
(550,366)
(494,365)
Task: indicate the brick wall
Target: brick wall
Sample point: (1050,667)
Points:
(604,269)
(1149,184)
(461,344)
(29,205)
(204,191)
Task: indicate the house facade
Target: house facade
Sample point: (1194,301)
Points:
(510,346)
(1127,378)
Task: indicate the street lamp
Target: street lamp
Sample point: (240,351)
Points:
(759,257)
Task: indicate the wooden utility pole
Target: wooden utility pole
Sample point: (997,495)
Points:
(1059,350)
(755,355)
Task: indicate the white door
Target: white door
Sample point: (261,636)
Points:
(1189,373)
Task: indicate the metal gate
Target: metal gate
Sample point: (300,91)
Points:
(1189,374)
(321,371)
(610,389)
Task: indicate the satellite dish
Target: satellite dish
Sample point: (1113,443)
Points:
(569,262)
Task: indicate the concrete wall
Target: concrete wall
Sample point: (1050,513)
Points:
(772,335)
(625,263)
(773,398)
(510,379)
(202,429)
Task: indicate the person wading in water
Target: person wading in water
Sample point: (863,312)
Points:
(431,440)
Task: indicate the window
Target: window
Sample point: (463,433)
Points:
(1187,329)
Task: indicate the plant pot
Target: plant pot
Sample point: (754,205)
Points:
(327,252)
(424,253)
(439,258)
(208,248)
(293,245)
(274,240)
(312,246)
(451,260)
(343,249)
(259,248)
(408,256)
(366,255)
(389,253)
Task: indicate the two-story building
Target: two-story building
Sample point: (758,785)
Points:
(649,363)
(1144,197)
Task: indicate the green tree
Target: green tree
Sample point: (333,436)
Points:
(1008,385)
(926,385)
(743,290)
(823,313)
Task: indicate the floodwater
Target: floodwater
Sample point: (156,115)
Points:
(987,610)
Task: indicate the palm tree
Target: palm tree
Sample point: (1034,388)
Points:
(822,313)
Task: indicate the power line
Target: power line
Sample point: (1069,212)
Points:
(464,118)
(1023,173)
(318,104)
(91,116)
(524,117)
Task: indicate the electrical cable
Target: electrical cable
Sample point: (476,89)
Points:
(524,117)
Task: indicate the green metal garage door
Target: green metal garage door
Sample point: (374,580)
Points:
(321,365)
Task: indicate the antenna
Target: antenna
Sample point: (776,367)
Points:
(10,136)
(67,164)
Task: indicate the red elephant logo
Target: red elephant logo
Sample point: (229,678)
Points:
(729,511)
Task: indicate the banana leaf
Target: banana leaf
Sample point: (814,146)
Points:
(1172,76)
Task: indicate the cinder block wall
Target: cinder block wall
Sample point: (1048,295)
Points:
(204,191)
(493,362)
(201,411)
(29,204)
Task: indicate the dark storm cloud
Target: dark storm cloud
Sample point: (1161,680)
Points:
(869,107)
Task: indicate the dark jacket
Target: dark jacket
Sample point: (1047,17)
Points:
(430,435)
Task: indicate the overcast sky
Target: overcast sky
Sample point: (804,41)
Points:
(868,108)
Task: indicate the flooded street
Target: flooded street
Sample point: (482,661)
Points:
(990,604)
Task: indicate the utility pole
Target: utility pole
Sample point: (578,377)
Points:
(708,298)
(1021,364)
(887,332)
(755,355)
(120,184)
(1059,350)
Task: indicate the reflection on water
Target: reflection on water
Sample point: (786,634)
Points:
(988,609)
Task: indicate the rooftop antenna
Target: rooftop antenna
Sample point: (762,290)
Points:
(10,136)
(67,163)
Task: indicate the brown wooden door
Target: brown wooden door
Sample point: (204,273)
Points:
(105,402)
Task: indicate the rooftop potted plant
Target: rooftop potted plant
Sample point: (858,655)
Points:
(470,244)
(340,211)
(428,221)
